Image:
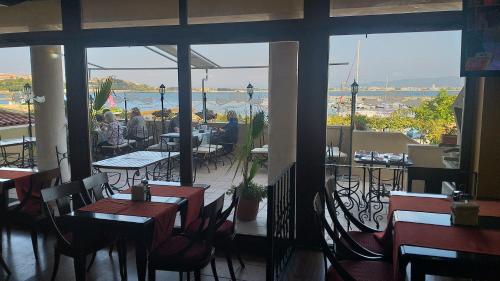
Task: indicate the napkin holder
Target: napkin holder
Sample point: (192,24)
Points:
(138,193)
(465,213)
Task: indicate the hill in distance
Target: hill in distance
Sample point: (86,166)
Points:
(451,81)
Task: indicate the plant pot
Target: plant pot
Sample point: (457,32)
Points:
(247,209)
(449,139)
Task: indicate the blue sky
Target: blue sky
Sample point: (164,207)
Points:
(392,56)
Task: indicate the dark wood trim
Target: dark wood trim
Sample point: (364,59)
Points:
(240,32)
(75,58)
(468,132)
(396,23)
(183,12)
(311,119)
(185,114)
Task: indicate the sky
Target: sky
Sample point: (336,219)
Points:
(382,56)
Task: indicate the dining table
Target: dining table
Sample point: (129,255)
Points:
(146,223)
(421,233)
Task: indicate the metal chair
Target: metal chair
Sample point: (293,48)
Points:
(357,267)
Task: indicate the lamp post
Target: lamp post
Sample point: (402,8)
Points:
(125,101)
(354,92)
(27,96)
(204,96)
(162,93)
(250,96)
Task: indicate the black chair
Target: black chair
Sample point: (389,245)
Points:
(434,178)
(358,267)
(28,213)
(60,197)
(225,232)
(362,241)
(4,187)
(188,252)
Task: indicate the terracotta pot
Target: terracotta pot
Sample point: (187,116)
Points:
(247,209)
(449,139)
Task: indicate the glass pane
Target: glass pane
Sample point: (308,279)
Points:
(340,8)
(31,16)
(129,13)
(218,11)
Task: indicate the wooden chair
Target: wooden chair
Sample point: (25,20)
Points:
(28,213)
(4,187)
(60,196)
(96,186)
(362,241)
(225,232)
(434,178)
(358,267)
(187,252)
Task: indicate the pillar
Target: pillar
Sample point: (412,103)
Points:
(50,116)
(282,106)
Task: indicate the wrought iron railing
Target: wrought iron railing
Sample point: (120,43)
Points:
(280,223)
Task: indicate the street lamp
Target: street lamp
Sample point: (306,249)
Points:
(29,98)
(354,92)
(204,96)
(250,95)
(162,93)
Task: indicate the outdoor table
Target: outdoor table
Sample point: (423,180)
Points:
(19,141)
(372,164)
(423,235)
(135,161)
(131,220)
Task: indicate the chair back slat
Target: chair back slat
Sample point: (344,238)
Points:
(209,219)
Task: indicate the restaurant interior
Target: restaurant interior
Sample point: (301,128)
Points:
(284,197)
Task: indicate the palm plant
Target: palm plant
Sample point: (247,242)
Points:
(248,165)
(101,95)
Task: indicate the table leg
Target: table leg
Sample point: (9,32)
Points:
(141,258)
(80,271)
(416,272)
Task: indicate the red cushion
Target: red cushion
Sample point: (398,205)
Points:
(367,240)
(168,253)
(363,271)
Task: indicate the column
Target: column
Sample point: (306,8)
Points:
(282,106)
(50,116)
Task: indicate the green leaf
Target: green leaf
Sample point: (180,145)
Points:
(101,94)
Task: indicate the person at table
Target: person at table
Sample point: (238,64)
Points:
(136,126)
(173,126)
(111,130)
(227,135)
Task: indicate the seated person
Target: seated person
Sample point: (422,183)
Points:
(173,126)
(136,126)
(227,135)
(111,130)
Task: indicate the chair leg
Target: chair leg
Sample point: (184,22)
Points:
(180,275)
(4,265)
(238,255)
(151,274)
(230,265)
(57,258)
(122,258)
(34,241)
(197,275)
(92,259)
(214,269)
(111,248)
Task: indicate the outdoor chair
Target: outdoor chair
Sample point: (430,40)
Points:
(27,158)
(208,152)
(4,188)
(187,252)
(434,178)
(127,145)
(8,158)
(28,213)
(60,197)
(362,240)
(225,232)
(357,267)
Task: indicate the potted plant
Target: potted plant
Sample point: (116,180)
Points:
(251,192)
(450,136)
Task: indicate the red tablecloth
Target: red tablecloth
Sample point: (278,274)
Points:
(163,214)
(466,239)
(455,238)
(22,183)
(194,196)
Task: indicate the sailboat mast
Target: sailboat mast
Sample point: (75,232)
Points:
(357,61)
